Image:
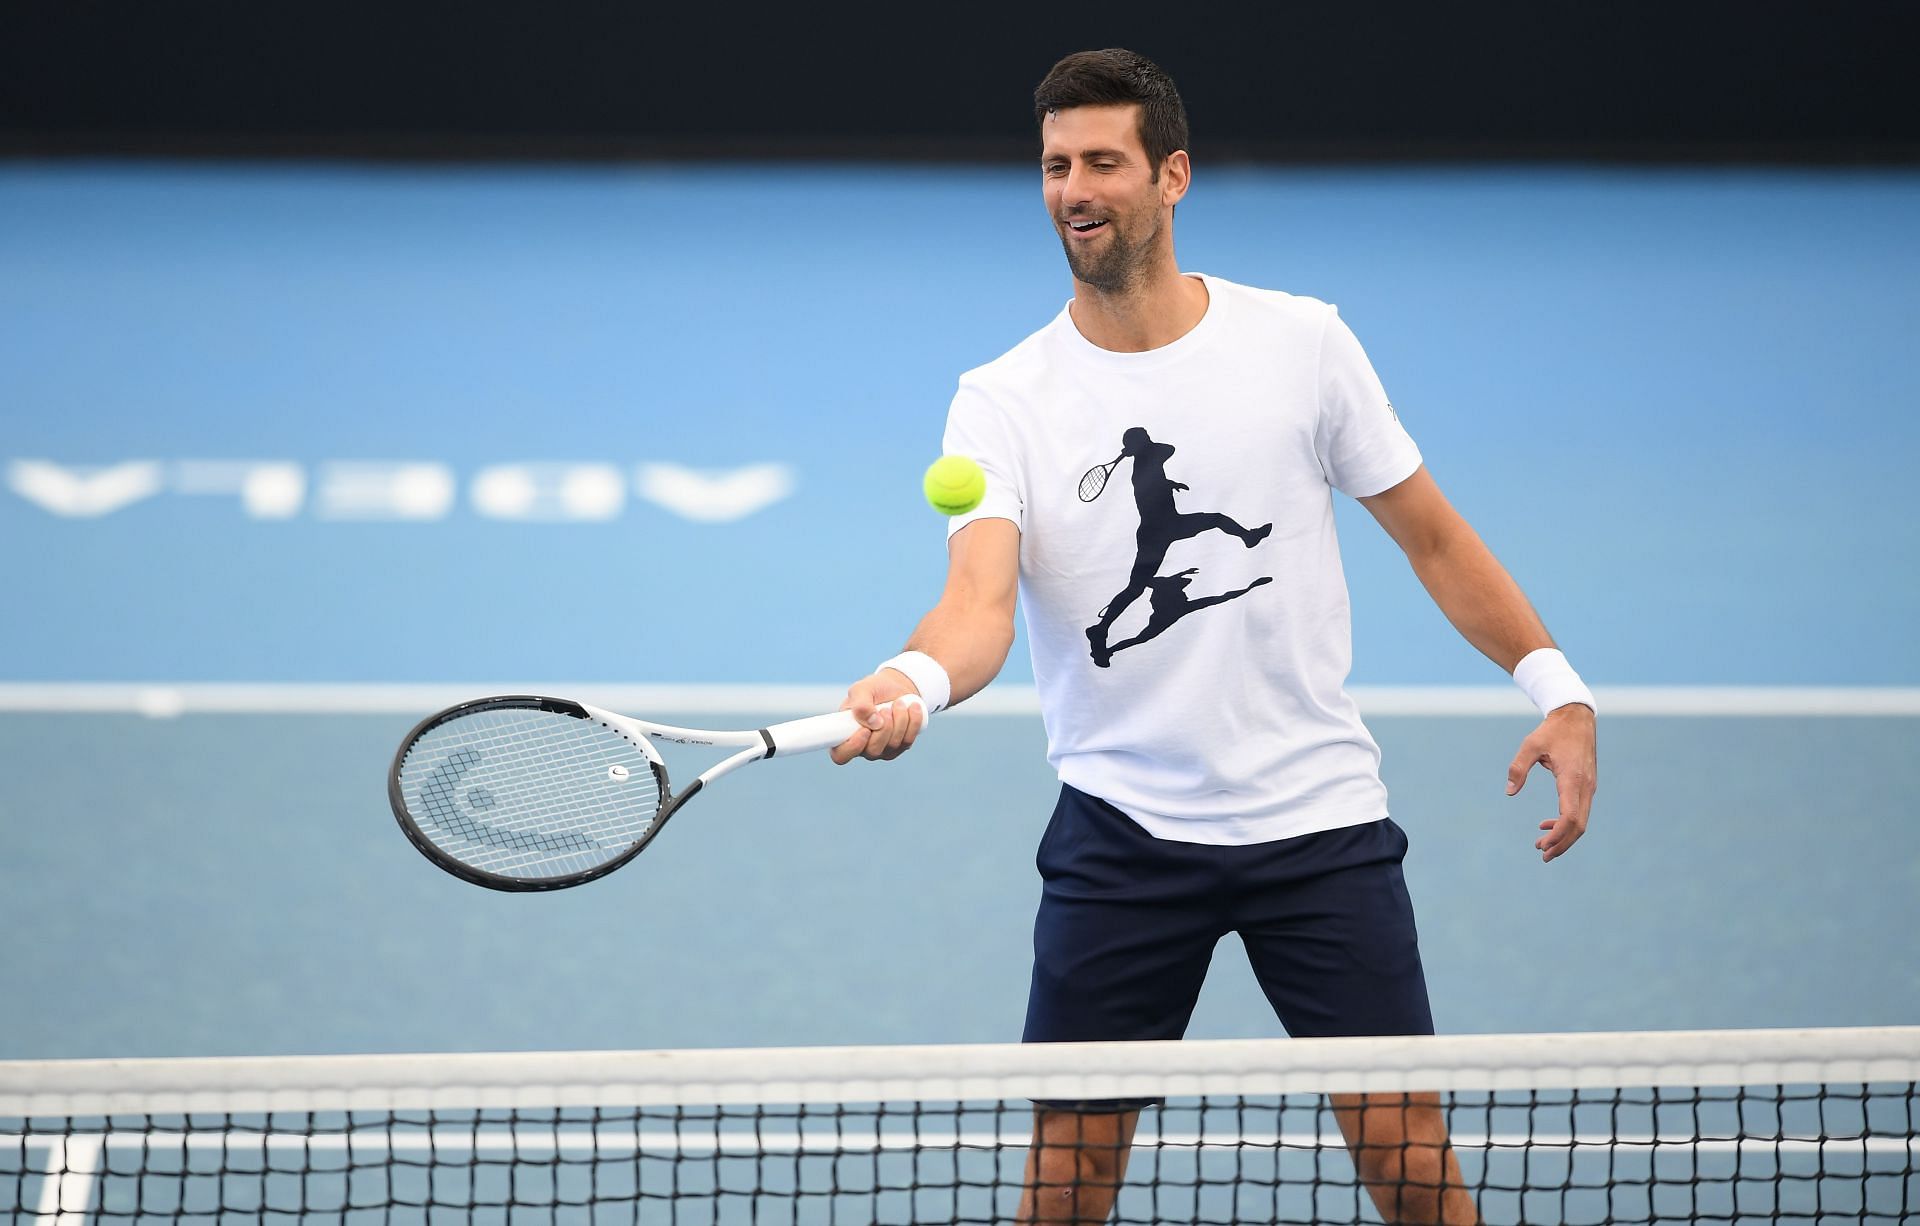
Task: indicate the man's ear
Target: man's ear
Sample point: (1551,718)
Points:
(1176,175)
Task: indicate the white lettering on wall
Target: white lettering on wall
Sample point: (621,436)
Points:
(267,489)
(84,492)
(376,489)
(714,497)
(406,490)
(549,491)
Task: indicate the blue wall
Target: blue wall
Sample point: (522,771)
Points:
(1679,404)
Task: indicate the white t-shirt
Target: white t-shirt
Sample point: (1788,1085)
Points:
(1220,715)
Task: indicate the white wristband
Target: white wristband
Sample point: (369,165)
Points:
(927,676)
(1546,677)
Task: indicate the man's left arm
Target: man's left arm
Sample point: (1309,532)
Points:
(1490,611)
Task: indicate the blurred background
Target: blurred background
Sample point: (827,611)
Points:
(357,358)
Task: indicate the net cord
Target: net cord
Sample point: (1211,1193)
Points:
(956,1073)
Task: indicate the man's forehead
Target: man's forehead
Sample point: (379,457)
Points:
(1113,126)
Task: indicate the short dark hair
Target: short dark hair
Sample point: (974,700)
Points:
(1116,77)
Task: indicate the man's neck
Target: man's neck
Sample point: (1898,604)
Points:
(1157,312)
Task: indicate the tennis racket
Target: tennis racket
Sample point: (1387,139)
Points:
(527,793)
(1096,478)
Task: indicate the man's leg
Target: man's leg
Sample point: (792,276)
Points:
(1399,1147)
(1329,929)
(1076,1165)
(1121,941)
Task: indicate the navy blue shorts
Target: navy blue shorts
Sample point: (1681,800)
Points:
(1127,924)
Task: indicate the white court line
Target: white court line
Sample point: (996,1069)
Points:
(165,700)
(68,1179)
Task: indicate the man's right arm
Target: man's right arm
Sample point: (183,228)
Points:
(968,632)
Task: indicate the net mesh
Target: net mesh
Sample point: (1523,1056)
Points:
(1775,1126)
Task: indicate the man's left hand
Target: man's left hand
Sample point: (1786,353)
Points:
(1564,744)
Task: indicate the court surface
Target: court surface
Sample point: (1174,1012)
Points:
(1679,404)
(235,884)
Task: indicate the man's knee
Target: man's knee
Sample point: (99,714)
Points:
(1414,1164)
(1392,1134)
(1089,1164)
(1075,1183)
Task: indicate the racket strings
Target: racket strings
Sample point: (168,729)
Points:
(530,793)
(440,794)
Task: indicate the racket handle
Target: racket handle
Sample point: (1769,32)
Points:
(816,731)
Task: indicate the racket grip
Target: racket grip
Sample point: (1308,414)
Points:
(815,732)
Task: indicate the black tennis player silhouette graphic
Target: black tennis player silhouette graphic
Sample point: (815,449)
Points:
(1161,526)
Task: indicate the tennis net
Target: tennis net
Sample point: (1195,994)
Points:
(1733,1126)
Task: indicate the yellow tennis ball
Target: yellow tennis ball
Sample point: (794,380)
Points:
(954,485)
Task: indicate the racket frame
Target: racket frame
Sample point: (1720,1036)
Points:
(794,736)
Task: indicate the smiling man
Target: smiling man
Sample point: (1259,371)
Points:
(1216,776)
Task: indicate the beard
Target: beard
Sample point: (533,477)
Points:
(1117,266)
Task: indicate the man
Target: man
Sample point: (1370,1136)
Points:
(1215,774)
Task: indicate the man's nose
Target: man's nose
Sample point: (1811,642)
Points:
(1075,188)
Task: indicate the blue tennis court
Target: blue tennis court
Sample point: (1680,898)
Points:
(255,425)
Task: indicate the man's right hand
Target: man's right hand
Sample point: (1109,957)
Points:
(887,728)
(968,632)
